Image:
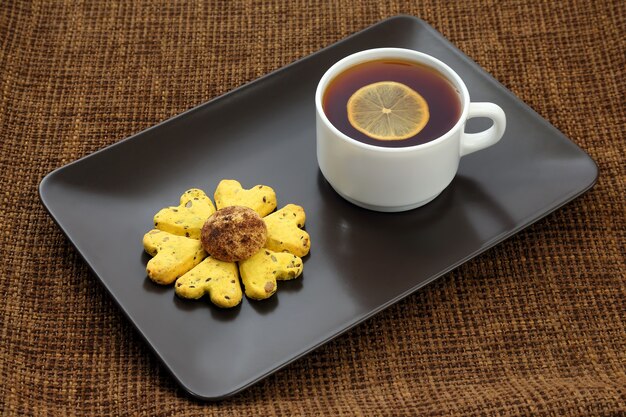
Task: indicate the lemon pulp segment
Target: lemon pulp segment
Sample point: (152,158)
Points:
(387,110)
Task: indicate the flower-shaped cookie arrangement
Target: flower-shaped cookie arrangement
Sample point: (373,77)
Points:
(244,238)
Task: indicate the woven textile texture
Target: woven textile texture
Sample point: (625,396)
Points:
(534,326)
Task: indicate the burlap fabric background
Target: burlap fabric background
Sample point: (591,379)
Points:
(535,326)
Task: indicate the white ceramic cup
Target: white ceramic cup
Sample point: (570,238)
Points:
(398,179)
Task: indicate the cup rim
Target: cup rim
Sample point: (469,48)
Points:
(383,53)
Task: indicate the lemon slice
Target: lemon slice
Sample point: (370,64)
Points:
(388,110)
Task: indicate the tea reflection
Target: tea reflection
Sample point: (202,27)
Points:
(381,256)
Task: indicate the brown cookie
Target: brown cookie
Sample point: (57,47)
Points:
(233,233)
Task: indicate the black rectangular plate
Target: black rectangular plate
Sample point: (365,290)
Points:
(361,261)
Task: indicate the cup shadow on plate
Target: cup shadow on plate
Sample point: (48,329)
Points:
(381,255)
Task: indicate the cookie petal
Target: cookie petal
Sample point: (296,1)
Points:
(186,219)
(260,272)
(218,279)
(284,233)
(173,255)
(259,198)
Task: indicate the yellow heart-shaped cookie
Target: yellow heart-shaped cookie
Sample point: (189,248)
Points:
(284,233)
(259,198)
(260,272)
(218,279)
(173,255)
(188,218)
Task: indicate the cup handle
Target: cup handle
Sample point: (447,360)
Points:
(472,142)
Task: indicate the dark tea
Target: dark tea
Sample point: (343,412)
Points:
(392,103)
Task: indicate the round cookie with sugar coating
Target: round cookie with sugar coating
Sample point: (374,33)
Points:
(218,279)
(233,233)
(187,218)
(172,255)
(284,233)
(260,272)
(259,198)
